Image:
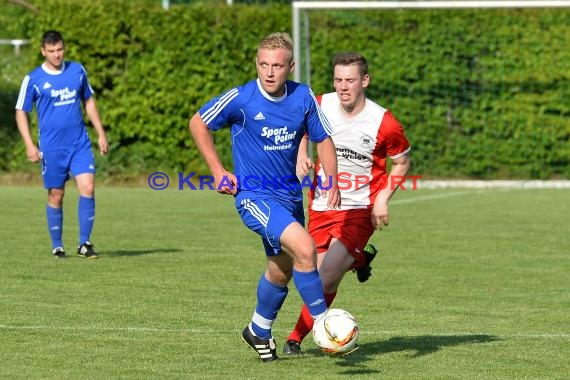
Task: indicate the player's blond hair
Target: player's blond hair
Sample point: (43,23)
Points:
(277,41)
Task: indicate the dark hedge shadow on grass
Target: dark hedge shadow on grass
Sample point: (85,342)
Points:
(418,346)
(137,252)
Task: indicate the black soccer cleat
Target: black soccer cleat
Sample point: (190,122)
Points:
(86,250)
(364,272)
(265,348)
(292,348)
(59,253)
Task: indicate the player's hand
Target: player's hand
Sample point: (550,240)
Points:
(333,195)
(103,145)
(330,191)
(380,215)
(304,164)
(226,183)
(33,154)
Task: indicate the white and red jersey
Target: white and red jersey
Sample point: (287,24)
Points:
(362,145)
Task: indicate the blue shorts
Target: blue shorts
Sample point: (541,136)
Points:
(57,164)
(269,218)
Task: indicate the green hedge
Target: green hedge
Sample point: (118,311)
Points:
(481,94)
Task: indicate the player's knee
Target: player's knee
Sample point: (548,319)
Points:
(305,255)
(55,197)
(278,278)
(86,184)
(87,190)
(279,272)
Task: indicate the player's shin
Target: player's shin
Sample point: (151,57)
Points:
(310,289)
(55,225)
(270,298)
(86,216)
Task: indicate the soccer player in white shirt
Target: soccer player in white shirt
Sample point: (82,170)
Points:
(365,134)
(268,118)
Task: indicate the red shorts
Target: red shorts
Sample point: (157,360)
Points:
(352,227)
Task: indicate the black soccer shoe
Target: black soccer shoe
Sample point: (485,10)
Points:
(59,253)
(292,348)
(364,272)
(265,348)
(86,250)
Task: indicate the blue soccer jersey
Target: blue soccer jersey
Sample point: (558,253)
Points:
(266,133)
(58,97)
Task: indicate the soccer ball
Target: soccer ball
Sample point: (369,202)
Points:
(336,332)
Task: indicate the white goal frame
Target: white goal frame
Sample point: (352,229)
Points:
(302,7)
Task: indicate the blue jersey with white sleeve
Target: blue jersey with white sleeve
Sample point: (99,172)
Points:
(58,96)
(266,132)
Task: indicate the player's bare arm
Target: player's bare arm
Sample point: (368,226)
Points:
(380,216)
(304,162)
(327,155)
(32,151)
(93,114)
(205,144)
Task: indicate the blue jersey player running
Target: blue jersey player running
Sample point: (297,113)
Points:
(58,88)
(268,118)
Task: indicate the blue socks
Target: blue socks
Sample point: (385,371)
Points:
(311,290)
(55,225)
(270,298)
(86,215)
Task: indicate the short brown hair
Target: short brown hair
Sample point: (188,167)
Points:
(351,58)
(51,37)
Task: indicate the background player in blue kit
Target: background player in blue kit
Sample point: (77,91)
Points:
(268,118)
(58,88)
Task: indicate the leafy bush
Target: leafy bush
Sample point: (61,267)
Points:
(481,93)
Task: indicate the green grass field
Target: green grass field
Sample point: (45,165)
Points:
(469,284)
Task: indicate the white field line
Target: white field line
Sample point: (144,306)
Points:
(477,187)
(491,184)
(136,329)
(422,198)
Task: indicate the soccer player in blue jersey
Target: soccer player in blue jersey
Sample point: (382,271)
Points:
(268,118)
(58,88)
